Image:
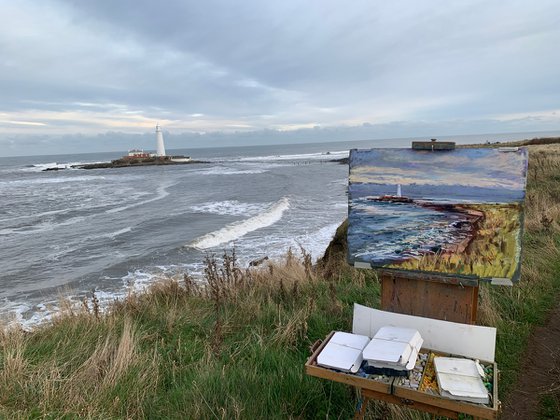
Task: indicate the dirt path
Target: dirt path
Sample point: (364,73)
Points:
(542,371)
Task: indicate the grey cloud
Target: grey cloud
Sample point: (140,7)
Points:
(277,64)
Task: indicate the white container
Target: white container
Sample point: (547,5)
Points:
(343,352)
(394,347)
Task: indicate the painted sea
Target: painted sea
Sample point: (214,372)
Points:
(67,233)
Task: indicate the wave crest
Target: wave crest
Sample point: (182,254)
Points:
(236,230)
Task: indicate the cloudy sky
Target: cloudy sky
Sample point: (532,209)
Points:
(81,69)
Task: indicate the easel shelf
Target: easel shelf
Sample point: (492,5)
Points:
(395,394)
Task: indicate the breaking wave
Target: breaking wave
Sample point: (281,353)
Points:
(229,207)
(238,229)
(40,167)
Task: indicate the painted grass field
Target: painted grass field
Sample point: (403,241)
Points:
(237,348)
(489,253)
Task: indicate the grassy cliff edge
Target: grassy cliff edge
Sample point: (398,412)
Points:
(236,348)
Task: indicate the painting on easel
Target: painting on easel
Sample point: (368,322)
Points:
(456,212)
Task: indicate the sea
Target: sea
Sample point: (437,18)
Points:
(67,234)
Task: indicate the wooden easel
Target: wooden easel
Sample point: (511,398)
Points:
(431,296)
(421,294)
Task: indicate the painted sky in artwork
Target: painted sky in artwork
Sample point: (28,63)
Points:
(486,168)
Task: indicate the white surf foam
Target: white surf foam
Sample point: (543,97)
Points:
(317,242)
(238,229)
(161,193)
(41,227)
(39,167)
(224,170)
(304,156)
(43,166)
(57,180)
(230,208)
(113,235)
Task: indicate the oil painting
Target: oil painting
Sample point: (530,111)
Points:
(457,212)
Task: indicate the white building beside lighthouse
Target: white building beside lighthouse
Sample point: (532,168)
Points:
(160,151)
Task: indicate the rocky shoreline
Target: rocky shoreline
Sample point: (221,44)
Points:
(462,235)
(127,163)
(469,227)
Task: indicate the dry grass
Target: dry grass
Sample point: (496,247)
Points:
(543,193)
(75,378)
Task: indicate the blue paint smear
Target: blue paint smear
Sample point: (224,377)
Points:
(382,232)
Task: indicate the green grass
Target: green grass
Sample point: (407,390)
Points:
(188,356)
(549,407)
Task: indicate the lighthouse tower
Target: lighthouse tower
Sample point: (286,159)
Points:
(159,139)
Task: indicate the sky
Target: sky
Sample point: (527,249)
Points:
(486,168)
(100,74)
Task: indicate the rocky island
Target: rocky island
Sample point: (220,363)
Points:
(125,162)
(138,157)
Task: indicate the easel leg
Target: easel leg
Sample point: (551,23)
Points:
(361,406)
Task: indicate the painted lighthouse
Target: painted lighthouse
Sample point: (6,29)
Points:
(160,147)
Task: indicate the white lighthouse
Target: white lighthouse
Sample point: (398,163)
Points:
(159,139)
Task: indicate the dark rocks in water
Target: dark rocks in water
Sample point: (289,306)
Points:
(460,224)
(342,161)
(56,168)
(94,165)
(392,199)
(255,263)
(128,163)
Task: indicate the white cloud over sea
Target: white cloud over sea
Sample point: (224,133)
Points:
(360,68)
